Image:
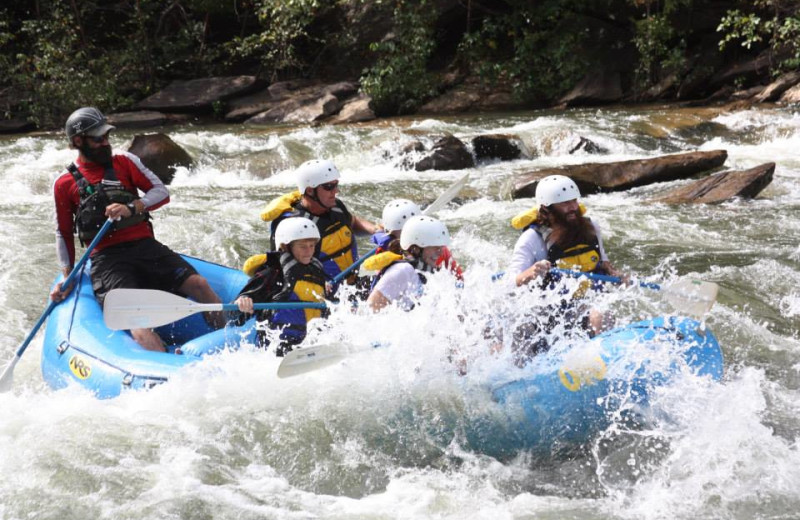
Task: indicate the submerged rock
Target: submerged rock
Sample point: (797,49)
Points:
(722,186)
(496,146)
(623,175)
(161,154)
(448,153)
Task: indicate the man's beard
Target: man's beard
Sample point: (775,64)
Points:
(569,232)
(100,155)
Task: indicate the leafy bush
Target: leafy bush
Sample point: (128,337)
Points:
(399,82)
(780,31)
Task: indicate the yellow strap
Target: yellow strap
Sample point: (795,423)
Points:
(381,260)
(252,264)
(528,217)
(280,205)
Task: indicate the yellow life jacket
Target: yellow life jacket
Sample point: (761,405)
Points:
(337,248)
(280,205)
(381,261)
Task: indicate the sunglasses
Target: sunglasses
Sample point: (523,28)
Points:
(97,139)
(329,186)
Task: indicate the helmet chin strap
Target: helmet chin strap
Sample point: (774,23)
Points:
(315,198)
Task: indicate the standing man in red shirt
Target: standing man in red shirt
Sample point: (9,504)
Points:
(102,185)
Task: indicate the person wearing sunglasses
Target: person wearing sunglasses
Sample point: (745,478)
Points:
(316,199)
(100,185)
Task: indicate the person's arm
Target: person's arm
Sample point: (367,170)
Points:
(364,227)
(529,259)
(395,284)
(65,241)
(377,301)
(155,192)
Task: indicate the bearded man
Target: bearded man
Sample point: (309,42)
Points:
(560,236)
(101,185)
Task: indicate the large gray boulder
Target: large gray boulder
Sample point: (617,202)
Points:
(161,154)
(792,95)
(355,110)
(722,186)
(496,146)
(448,153)
(623,175)
(304,105)
(778,87)
(198,94)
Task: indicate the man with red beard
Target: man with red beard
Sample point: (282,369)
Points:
(560,236)
(102,185)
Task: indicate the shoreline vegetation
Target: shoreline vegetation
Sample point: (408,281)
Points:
(151,62)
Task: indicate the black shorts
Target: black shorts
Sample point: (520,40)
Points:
(140,264)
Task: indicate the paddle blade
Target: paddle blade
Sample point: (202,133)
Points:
(126,309)
(307,359)
(447,196)
(693,297)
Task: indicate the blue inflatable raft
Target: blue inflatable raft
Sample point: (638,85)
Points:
(79,348)
(563,399)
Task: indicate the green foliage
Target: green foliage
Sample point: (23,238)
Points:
(284,27)
(94,52)
(780,31)
(536,48)
(660,50)
(399,82)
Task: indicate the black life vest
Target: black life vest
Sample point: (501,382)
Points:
(94,198)
(337,248)
(283,279)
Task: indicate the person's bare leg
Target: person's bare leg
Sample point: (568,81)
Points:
(148,339)
(197,288)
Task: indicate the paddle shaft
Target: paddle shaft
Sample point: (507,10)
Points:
(8,373)
(602,278)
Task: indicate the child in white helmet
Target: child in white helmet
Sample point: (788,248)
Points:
(399,278)
(395,215)
(292,273)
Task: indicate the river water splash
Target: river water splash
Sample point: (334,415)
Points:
(382,434)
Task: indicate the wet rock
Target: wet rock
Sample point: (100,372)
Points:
(792,95)
(242,108)
(448,153)
(496,146)
(161,154)
(355,110)
(198,94)
(587,146)
(778,87)
(623,175)
(748,93)
(595,88)
(15,126)
(470,94)
(143,119)
(316,110)
(304,105)
(722,186)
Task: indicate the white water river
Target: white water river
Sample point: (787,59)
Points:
(378,437)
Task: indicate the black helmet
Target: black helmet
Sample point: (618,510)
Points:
(87,121)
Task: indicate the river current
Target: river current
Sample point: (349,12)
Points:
(380,435)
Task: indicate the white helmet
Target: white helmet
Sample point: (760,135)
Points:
(556,188)
(397,212)
(311,174)
(295,228)
(424,231)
